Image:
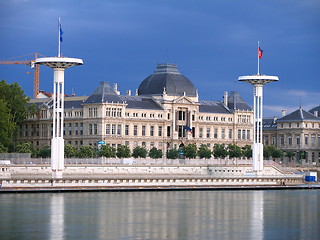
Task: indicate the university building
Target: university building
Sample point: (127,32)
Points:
(297,132)
(165,112)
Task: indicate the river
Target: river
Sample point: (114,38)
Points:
(273,214)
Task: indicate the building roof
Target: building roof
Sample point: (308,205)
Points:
(315,111)
(104,94)
(269,123)
(167,79)
(299,115)
(212,107)
(235,101)
(138,102)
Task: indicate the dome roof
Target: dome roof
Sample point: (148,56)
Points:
(167,78)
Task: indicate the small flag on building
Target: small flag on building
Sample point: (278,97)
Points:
(61,33)
(188,129)
(260,52)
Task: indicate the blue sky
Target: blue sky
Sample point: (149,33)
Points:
(212,42)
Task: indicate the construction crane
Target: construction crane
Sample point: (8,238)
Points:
(36,68)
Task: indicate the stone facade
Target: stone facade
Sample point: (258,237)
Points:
(297,132)
(163,118)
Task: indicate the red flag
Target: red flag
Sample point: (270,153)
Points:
(260,52)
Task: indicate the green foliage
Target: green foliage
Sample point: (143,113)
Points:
(271,151)
(155,153)
(26,147)
(204,151)
(290,155)
(85,152)
(247,151)
(3,149)
(172,154)
(7,126)
(44,152)
(107,151)
(123,151)
(69,151)
(220,151)
(13,111)
(234,151)
(190,151)
(139,152)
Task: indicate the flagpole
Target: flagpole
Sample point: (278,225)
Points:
(59,44)
(258,58)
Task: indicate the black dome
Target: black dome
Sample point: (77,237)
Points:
(168,78)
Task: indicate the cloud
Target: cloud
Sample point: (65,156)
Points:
(303,93)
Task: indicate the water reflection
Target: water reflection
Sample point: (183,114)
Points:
(56,227)
(161,215)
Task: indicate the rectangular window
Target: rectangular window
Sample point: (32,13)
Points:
(126,143)
(282,140)
(274,140)
(266,140)
(126,130)
(135,130)
(107,129)
(239,134)
(81,128)
(143,131)
(182,115)
(243,134)
(181,131)
(200,132)
(230,133)
(289,140)
(37,130)
(70,128)
(313,139)
(223,133)
(90,129)
(298,140)
(160,131)
(215,133)
(113,129)
(76,128)
(151,130)
(306,140)
(248,134)
(119,130)
(168,131)
(95,129)
(208,132)
(90,112)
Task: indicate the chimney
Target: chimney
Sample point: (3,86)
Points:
(316,113)
(225,99)
(283,113)
(128,92)
(115,88)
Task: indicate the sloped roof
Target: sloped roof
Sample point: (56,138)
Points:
(137,102)
(313,110)
(235,101)
(212,107)
(299,115)
(103,94)
(269,123)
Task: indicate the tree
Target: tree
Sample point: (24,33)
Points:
(139,152)
(26,147)
(220,151)
(271,151)
(172,154)
(247,151)
(3,149)
(69,151)
(290,155)
(85,152)
(123,151)
(190,151)
(234,151)
(204,151)
(44,152)
(107,151)
(155,153)
(13,108)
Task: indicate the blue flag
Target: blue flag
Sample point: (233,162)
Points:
(61,33)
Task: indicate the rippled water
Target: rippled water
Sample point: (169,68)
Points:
(290,214)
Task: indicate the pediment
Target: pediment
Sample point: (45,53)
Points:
(183,100)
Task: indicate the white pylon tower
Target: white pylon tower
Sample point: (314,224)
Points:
(58,64)
(258,81)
